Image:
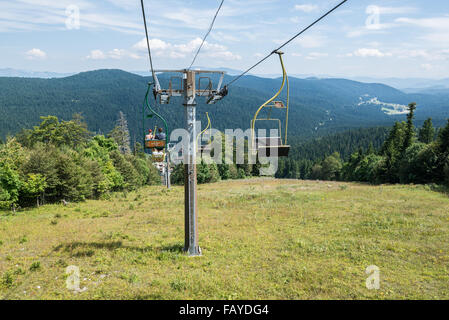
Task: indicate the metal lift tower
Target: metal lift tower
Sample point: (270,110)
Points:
(189,89)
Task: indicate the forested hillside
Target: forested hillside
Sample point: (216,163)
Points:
(318,106)
(345,143)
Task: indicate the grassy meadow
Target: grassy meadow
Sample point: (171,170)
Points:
(261,239)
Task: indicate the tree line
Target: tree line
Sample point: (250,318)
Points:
(408,155)
(62,161)
(213,172)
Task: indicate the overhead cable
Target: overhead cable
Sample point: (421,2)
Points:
(287,42)
(207,34)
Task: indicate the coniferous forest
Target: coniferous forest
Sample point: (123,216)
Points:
(407,155)
(63,161)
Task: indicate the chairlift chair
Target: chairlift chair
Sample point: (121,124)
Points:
(272,146)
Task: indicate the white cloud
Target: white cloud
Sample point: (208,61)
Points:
(36,54)
(434,23)
(369,52)
(316,55)
(162,48)
(376,28)
(306,7)
(373,24)
(394,10)
(113,54)
(96,55)
(424,54)
(439,27)
(35,15)
(121,53)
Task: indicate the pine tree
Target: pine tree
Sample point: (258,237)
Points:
(410,130)
(371,149)
(427,132)
(443,139)
(120,134)
(391,150)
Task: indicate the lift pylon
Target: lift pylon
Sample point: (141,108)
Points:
(189,90)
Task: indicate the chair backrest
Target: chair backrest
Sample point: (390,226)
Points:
(268,142)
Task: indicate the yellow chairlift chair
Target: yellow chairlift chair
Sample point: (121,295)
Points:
(272,146)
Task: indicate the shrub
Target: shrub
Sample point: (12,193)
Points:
(446,171)
(126,169)
(35,266)
(10,185)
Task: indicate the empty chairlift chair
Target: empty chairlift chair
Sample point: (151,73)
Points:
(272,146)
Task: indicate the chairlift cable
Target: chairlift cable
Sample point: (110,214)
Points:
(207,34)
(287,42)
(148,40)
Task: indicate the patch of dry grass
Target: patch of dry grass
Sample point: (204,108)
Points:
(261,239)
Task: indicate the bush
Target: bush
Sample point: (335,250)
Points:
(126,169)
(148,173)
(446,171)
(368,168)
(177,176)
(75,182)
(409,171)
(331,166)
(10,185)
(233,172)
(42,160)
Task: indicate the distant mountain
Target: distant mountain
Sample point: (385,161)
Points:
(429,90)
(8,72)
(318,106)
(404,83)
(414,85)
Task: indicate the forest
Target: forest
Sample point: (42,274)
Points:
(318,107)
(408,155)
(61,160)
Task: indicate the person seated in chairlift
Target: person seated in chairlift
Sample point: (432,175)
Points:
(149,136)
(160,135)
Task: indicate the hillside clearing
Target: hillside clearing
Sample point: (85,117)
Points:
(261,239)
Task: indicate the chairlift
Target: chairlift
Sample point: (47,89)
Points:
(272,146)
(157,146)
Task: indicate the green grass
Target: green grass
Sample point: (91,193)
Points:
(261,239)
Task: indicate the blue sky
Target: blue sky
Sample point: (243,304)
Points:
(376,38)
